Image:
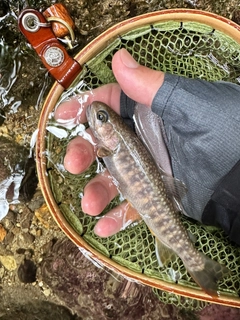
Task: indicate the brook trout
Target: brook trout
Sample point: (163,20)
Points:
(140,181)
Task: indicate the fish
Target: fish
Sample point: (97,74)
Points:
(142,182)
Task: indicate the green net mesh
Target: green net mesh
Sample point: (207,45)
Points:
(186,48)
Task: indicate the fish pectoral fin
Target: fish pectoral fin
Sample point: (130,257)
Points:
(104,152)
(163,253)
(207,278)
(150,129)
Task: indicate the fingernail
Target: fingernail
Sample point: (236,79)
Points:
(128,60)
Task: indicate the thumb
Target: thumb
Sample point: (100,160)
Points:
(138,82)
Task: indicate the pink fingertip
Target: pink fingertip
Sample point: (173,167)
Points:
(79,156)
(95,198)
(77,161)
(106,227)
(67,110)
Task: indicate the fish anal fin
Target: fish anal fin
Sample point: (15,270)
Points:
(150,129)
(163,253)
(208,277)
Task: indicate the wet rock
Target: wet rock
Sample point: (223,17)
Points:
(25,239)
(37,201)
(26,219)
(96,293)
(4,8)
(3,233)
(10,220)
(218,312)
(27,271)
(16,230)
(8,239)
(236,16)
(38,232)
(28,253)
(46,292)
(20,251)
(30,181)
(38,310)
(43,215)
(2,272)
(8,262)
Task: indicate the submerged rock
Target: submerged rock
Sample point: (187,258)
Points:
(4,8)
(97,293)
(39,310)
(27,271)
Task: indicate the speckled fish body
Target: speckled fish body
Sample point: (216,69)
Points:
(140,181)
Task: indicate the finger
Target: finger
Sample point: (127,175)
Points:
(80,154)
(98,193)
(138,82)
(75,108)
(117,219)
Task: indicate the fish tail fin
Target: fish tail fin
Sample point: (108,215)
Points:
(207,277)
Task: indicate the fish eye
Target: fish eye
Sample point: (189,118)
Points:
(102,115)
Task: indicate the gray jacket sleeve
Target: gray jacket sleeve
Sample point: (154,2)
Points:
(202,123)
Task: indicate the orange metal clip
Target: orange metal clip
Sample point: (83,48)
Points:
(54,56)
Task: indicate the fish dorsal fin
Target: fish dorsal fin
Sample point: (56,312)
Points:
(104,152)
(150,130)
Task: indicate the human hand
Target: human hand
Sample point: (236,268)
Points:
(140,84)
